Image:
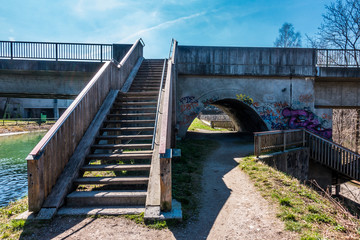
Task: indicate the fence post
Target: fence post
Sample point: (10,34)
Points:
(56,52)
(11,50)
(284,140)
(303,131)
(101,53)
(327,57)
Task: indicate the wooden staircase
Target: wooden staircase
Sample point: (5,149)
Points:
(115,175)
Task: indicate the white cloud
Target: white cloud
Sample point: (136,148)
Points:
(83,8)
(11,39)
(161,26)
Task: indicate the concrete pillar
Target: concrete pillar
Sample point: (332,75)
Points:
(56,109)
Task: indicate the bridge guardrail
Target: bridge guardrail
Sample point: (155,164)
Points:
(338,58)
(56,51)
(322,150)
(49,157)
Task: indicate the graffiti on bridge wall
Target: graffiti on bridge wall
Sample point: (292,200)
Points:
(278,115)
(302,118)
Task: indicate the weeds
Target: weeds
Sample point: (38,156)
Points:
(301,208)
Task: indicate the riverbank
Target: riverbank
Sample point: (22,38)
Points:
(19,129)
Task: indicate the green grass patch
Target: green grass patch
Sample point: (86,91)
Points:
(10,228)
(187,173)
(302,209)
(197,124)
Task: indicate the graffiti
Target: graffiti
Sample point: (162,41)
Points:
(209,101)
(187,99)
(188,103)
(326,117)
(306,98)
(303,118)
(245,99)
(281,105)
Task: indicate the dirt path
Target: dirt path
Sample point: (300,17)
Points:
(231,208)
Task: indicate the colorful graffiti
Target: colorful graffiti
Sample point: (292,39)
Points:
(302,118)
(188,103)
(209,101)
(245,99)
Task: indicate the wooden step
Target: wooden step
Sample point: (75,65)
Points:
(101,210)
(137,109)
(111,180)
(147,121)
(117,167)
(126,129)
(122,146)
(151,93)
(128,115)
(127,155)
(106,198)
(124,137)
(137,98)
(134,103)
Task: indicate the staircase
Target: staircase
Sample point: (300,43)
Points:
(115,175)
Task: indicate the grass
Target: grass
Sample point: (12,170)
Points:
(187,173)
(9,227)
(197,124)
(301,208)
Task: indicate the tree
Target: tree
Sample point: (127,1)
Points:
(288,37)
(341,25)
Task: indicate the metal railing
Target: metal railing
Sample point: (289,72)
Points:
(338,58)
(322,150)
(56,51)
(158,103)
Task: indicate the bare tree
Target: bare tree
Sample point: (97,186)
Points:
(341,29)
(288,37)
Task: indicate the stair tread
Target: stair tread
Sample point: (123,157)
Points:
(131,121)
(143,154)
(107,193)
(111,180)
(123,146)
(136,103)
(102,210)
(125,137)
(128,129)
(119,167)
(131,114)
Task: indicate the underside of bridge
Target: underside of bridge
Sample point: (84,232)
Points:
(244,118)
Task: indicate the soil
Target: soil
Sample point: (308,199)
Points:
(24,128)
(231,207)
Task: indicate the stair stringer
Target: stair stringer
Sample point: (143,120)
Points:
(71,171)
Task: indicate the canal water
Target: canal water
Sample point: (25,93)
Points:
(13,172)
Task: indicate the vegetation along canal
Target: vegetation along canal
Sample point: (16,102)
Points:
(13,172)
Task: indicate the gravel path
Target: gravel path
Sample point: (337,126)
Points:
(231,207)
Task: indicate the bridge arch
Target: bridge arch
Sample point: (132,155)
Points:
(237,106)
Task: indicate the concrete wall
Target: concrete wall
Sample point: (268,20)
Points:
(246,61)
(50,79)
(280,103)
(293,162)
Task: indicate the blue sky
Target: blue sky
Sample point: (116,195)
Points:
(243,23)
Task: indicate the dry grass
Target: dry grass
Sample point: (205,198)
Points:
(301,208)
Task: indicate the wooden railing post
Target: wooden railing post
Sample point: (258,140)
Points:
(284,132)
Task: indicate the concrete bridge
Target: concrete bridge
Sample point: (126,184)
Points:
(259,88)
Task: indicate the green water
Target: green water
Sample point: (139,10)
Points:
(13,172)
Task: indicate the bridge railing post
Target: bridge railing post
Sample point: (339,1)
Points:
(56,52)
(101,53)
(11,51)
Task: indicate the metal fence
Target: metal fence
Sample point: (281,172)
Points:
(338,57)
(55,51)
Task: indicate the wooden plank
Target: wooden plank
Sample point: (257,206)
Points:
(111,180)
(70,173)
(35,183)
(117,167)
(165,183)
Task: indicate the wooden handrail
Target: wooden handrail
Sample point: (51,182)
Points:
(166,119)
